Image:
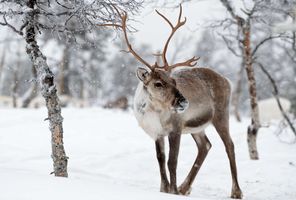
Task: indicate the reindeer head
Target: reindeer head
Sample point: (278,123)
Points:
(162,90)
(158,83)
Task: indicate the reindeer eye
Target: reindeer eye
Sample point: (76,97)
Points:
(158,85)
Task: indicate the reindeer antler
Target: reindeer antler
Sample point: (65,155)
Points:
(123,17)
(191,62)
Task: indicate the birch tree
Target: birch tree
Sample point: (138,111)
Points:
(246,21)
(244,26)
(28,19)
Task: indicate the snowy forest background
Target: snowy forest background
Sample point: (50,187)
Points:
(57,44)
(91,69)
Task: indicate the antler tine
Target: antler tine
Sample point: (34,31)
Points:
(174,29)
(180,14)
(190,63)
(166,19)
(123,17)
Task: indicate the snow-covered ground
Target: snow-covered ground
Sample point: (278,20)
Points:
(112,158)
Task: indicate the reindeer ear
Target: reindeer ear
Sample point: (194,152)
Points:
(142,74)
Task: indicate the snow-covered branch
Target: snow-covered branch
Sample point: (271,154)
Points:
(59,16)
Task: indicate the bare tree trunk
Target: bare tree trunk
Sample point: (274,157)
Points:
(14,88)
(15,83)
(237,93)
(32,92)
(255,123)
(81,92)
(64,73)
(49,92)
(245,26)
(2,61)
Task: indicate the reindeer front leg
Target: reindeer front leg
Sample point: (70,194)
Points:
(160,154)
(174,144)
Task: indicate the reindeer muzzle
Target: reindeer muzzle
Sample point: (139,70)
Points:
(180,104)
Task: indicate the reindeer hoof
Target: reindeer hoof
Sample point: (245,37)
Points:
(164,188)
(173,190)
(237,194)
(183,191)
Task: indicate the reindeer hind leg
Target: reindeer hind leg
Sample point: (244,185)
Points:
(221,124)
(203,145)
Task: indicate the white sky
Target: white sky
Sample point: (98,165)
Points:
(153,30)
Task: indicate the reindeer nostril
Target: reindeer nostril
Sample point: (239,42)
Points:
(182,105)
(181,99)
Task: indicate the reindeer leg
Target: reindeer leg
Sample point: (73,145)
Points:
(174,144)
(222,127)
(160,154)
(203,145)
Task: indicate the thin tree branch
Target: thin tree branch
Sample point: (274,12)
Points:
(12,12)
(226,4)
(228,44)
(264,41)
(63,5)
(225,23)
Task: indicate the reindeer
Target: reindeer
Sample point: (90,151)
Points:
(175,99)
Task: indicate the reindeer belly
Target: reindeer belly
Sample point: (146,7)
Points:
(196,129)
(198,122)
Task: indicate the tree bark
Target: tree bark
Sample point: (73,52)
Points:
(45,78)
(255,123)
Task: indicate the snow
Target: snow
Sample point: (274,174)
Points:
(112,158)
